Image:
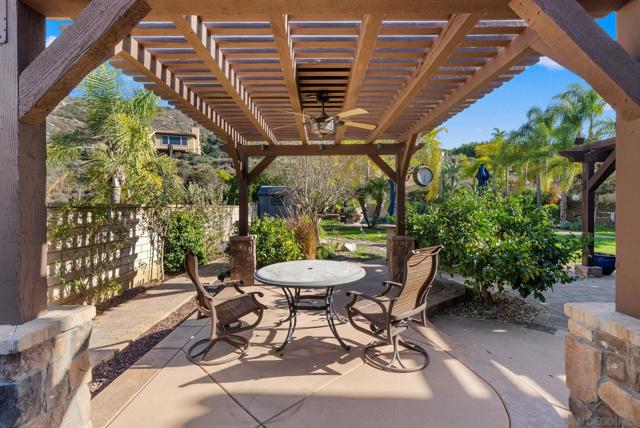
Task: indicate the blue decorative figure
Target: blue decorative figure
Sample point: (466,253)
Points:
(392,194)
(483,177)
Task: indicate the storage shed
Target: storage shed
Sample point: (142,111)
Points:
(274,201)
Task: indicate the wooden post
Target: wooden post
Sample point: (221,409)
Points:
(23,234)
(243,190)
(627,178)
(400,197)
(588,212)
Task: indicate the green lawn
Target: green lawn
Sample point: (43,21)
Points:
(335,229)
(606,231)
(605,245)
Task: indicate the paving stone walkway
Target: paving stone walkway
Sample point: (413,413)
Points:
(118,326)
(599,290)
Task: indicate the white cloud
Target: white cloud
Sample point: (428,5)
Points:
(50,40)
(547,62)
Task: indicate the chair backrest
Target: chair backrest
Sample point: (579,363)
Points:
(420,269)
(191,266)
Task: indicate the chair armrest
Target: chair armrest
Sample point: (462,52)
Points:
(236,283)
(409,313)
(357,295)
(253,295)
(389,285)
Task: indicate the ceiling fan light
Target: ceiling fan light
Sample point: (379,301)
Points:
(322,128)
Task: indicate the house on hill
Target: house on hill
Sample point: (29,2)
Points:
(178,141)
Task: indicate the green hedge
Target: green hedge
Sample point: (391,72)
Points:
(496,241)
(275,241)
(186,232)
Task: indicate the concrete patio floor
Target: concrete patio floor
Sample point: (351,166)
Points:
(315,383)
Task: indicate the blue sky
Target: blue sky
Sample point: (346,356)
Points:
(505,108)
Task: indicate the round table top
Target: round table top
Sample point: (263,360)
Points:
(310,273)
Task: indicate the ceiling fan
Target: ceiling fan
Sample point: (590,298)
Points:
(324,125)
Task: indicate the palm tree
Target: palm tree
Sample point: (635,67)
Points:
(581,113)
(535,143)
(584,108)
(451,175)
(117,148)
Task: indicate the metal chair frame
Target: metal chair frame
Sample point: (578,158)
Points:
(207,308)
(393,317)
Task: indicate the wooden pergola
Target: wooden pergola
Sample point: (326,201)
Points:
(240,67)
(604,153)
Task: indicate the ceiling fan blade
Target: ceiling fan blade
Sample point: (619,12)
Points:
(292,112)
(352,112)
(367,126)
(284,126)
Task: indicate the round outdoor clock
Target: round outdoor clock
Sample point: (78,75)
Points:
(422,176)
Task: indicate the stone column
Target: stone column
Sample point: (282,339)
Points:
(242,258)
(602,361)
(45,370)
(399,247)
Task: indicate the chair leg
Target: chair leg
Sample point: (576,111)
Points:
(395,364)
(238,342)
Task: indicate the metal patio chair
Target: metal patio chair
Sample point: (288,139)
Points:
(225,316)
(389,317)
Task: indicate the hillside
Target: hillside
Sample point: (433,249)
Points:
(70,116)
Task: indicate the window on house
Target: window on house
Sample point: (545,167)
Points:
(175,140)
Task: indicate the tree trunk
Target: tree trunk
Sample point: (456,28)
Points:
(539,189)
(376,212)
(116,190)
(563,207)
(363,206)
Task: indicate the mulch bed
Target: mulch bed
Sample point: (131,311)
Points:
(104,373)
(505,307)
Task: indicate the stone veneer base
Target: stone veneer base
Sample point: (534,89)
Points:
(398,247)
(242,258)
(602,361)
(45,370)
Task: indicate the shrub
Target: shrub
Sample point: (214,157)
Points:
(186,232)
(306,232)
(275,241)
(325,252)
(496,241)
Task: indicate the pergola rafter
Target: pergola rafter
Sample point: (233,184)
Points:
(282,39)
(197,35)
(369,29)
(451,36)
(155,71)
(504,62)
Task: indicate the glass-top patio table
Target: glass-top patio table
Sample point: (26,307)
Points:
(295,276)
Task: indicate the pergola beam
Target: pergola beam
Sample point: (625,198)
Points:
(321,149)
(409,150)
(578,41)
(256,10)
(260,167)
(384,166)
(605,170)
(153,69)
(450,37)
(508,57)
(369,30)
(196,33)
(284,46)
(86,43)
